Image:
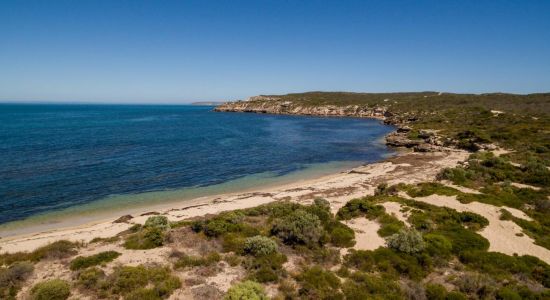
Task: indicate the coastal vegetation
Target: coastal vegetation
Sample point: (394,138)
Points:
(309,249)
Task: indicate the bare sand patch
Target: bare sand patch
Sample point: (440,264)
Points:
(366,234)
(525,186)
(395,209)
(504,236)
(460,188)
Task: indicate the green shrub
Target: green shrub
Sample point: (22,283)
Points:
(389,261)
(438,245)
(126,280)
(90,277)
(507,293)
(260,245)
(463,239)
(365,286)
(300,227)
(143,294)
(342,236)
(267,268)
(435,292)
(317,283)
(55,250)
(195,261)
(160,222)
(82,262)
(146,238)
(247,290)
(12,277)
(233,242)
(225,222)
(384,189)
(454,295)
(407,241)
(55,289)
(389,225)
(360,207)
(504,266)
(425,189)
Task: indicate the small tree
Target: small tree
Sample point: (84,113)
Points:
(407,241)
(300,227)
(260,245)
(248,290)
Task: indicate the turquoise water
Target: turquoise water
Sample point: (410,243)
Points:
(56,159)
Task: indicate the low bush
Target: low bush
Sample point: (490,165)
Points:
(160,222)
(195,261)
(233,242)
(247,290)
(82,262)
(366,286)
(429,188)
(476,285)
(55,289)
(463,239)
(126,280)
(12,277)
(360,207)
(300,227)
(221,224)
(390,262)
(407,241)
(143,294)
(438,245)
(316,283)
(435,292)
(389,225)
(342,236)
(91,277)
(267,268)
(502,266)
(384,189)
(260,245)
(145,238)
(55,250)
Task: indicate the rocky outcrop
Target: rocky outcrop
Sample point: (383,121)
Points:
(276,106)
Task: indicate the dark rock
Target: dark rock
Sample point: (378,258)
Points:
(401,140)
(151,213)
(123,219)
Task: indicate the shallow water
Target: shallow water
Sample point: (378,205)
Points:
(59,159)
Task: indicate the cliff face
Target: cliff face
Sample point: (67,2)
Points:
(275,106)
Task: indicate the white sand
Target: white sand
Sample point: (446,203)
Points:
(394,209)
(460,188)
(337,189)
(524,186)
(502,235)
(366,235)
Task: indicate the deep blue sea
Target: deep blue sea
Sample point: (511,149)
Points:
(55,156)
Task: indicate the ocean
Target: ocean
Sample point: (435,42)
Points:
(69,157)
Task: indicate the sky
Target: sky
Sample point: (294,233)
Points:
(136,51)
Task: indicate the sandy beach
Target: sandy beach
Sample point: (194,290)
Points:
(406,167)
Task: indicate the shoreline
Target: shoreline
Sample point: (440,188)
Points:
(338,188)
(67,218)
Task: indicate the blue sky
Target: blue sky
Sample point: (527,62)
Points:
(181,51)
